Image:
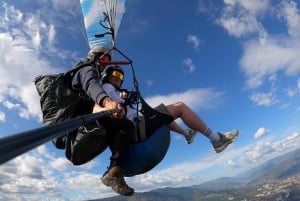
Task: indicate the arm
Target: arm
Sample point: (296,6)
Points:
(86,79)
(112,92)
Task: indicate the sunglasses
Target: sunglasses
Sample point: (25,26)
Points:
(117,74)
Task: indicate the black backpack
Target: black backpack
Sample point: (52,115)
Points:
(58,100)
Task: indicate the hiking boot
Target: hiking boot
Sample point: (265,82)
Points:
(225,139)
(114,178)
(190,138)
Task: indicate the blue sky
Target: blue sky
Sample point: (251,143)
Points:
(235,62)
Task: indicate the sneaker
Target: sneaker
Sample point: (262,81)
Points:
(190,138)
(116,181)
(225,139)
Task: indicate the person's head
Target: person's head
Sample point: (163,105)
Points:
(98,54)
(113,75)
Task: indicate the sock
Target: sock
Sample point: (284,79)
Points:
(211,135)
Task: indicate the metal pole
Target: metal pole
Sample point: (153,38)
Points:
(17,144)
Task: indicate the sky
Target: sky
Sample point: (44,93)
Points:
(236,63)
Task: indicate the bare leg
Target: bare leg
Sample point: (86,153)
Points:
(175,127)
(219,141)
(188,134)
(181,110)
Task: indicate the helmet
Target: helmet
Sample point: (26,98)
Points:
(96,52)
(108,71)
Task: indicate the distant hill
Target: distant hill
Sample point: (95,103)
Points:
(278,168)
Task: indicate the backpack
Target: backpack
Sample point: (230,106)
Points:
(57,99)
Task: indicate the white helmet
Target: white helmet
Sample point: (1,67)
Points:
(97,51)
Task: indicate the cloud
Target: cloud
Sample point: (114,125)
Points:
(290,13)
(189,64)
(263,99)
(194,40)
(287,143)
(27,174)
(29,51)
(264,53)
(239,18)
(10,105)
(254,7)
(39,174)
(261,132)
(199,98)
(231,163)
(2,116)
(262,58)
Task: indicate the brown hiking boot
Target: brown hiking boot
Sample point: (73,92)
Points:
(114,178)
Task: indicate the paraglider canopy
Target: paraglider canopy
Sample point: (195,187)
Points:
(102,19)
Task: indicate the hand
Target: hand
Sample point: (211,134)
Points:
(111,105)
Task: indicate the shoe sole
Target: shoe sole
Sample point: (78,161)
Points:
(226,145)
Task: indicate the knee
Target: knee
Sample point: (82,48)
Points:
(176,109)
(180,104)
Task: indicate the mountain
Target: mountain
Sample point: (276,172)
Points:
(276,168)
(245,184)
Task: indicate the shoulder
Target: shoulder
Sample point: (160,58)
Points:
(86,67)
(85,71)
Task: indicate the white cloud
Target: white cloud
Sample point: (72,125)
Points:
(22,58)
(290,142)
(231,163)
(10,105)
(61,163)
(291,92)
(263,99)
(261,132)
(264,53)
(189,64)
(202,98)
(239,18)
(291,14)
(27,174)
(258,152)
(255,7)
(239,27)
(2,116)
(194,40)
(262,58)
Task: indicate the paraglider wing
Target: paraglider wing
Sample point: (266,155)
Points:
(102,19)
